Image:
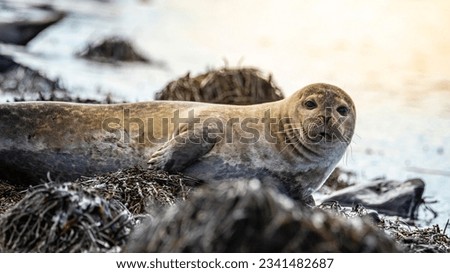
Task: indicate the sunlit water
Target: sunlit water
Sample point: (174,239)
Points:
(392,57)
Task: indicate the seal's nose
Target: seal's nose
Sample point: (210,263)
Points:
(326,119)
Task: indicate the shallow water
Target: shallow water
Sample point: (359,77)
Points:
(392,57)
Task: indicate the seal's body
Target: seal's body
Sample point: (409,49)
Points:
(297,141)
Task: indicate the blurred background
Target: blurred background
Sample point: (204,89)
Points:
(392,57)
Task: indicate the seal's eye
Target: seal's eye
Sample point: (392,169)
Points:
(342,110)
(310,104)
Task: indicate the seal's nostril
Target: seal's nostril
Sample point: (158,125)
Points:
(325,119)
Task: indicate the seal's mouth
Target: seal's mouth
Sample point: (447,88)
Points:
(325,136)
(317,132)
(328,135)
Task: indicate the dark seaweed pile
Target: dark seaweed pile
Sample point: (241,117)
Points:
(246,216)
(88,215)
(139,189)
(111,50)
(227,86)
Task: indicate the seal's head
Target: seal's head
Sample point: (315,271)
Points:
(324,116)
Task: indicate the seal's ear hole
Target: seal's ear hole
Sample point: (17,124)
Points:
(310,104)
(342,110)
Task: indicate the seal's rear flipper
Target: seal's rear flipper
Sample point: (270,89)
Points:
(182,150)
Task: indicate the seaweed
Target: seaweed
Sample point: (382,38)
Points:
(418,239)
(112,50)
(9,195)
(240,86)
(64,217)
(141,190)
(248,216)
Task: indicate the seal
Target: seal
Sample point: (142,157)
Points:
(295,142)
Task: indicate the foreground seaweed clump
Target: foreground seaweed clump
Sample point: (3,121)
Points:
(247,216)
(64,218)
(93,215)
(227,86)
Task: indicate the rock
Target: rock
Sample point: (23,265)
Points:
(26,83)
(6,63)
(19,24)
(227,86)
(247,216)
(387,197)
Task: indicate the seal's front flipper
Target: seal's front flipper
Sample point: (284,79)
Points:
(182,150)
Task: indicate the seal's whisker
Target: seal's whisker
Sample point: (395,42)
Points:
(289,128)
